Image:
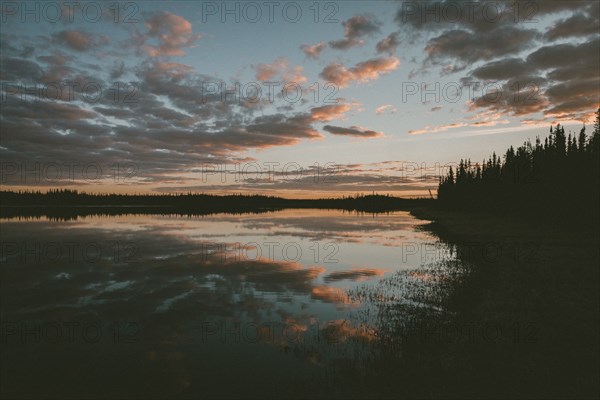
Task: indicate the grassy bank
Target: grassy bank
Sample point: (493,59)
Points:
(538,285)
(512,314)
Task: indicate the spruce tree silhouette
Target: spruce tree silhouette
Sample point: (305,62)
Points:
(559,179)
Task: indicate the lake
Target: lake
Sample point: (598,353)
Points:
(261,304)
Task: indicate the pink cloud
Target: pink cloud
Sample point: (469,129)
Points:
(173,33)
(280,68)
(80,41)
(437,128)
(362,72)
(385,108)
(330,112)
(313,51)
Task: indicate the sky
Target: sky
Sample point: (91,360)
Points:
(297,99)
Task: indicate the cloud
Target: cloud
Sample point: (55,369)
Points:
(355,131)
(173,33)
(465,48)
(280,69)
(383,109)
(330,112)
(365,71)
(564,54)
(511,99)
(577,25)
(356,28)
(118,70)
(470,32)
(501,69)
(313,51)
(171,125)
(282,126)
(388,44)
(79,41)
(15,69)
(437,128)
(576,99)
(267,72)
(548,80)
(359,26)
(481,119)
(493,45)
(436,15)
(397,177)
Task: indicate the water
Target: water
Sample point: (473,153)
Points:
(223,305)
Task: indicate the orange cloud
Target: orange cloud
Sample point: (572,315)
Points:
(363,72)
(488,118)
(328,113)
(172,32)
(280,67)
(437,128)
(76,40)
(382,109)
(313,51)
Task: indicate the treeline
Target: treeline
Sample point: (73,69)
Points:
(558,177)
(65,202)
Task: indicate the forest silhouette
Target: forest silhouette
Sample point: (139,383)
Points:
(558,178)
(66,204)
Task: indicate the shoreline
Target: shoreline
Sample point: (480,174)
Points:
(523,272)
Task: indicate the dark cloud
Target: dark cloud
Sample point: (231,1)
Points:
(574,97)
(355,131)
(554,79)
(470,33)
(481,16)
(313,51)
(355,29)
(282,126)
(118,70)
(561,55)
(170,123)
(388,44)
(349,178)
(80,40)
(525,49)
(14,69)
(512,99)
(464,48)
(500,70)
(577,25)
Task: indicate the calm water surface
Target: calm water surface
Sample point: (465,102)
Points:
(253,304)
